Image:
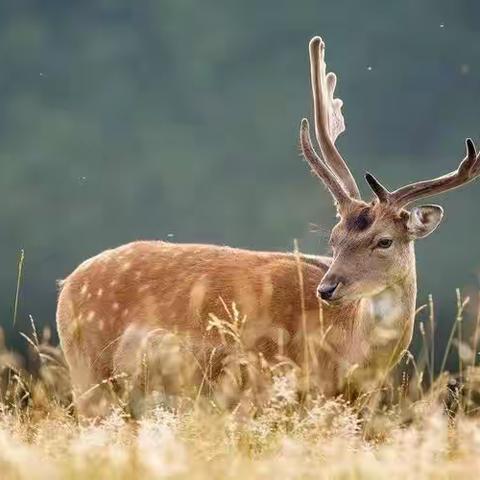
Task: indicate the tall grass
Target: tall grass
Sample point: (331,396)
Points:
(422,424)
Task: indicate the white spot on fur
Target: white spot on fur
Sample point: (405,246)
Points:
(84,289)
(91,316)
(115,306)
(100,292)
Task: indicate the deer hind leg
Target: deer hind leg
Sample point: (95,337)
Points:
(129,365)
(157,367)
(90,376)
(93,392)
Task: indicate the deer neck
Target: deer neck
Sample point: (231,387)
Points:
(386,323)
(395,304)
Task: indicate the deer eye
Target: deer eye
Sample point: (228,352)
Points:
(384,243)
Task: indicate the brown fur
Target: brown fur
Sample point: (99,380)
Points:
(155,285)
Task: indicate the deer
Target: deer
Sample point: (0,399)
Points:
(362,299)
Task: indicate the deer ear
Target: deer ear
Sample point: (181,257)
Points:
(424,220)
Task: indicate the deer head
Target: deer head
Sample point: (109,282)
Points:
(372,242)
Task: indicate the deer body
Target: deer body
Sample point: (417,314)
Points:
(347,317)
(155,286)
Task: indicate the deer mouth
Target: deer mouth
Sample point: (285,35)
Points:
(333,301)
(328,290)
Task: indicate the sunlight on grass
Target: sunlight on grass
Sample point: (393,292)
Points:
(414,426)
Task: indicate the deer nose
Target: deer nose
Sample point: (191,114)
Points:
(325,292)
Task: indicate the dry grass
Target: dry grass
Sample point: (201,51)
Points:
(412,426)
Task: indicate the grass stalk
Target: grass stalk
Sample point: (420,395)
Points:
(304,315)
(431,317)
(19,282)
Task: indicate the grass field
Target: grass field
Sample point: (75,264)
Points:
(410,427)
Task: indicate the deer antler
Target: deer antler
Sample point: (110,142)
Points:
(319,167)
(329,122)
(468,170)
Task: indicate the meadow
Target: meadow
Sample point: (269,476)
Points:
(415,424)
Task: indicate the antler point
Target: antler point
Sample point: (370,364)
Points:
(304,125)
(469,162)
(316,40)
(470,148)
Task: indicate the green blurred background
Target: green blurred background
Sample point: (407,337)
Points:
(178,120)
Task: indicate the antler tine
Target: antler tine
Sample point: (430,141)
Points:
(319,167)
(329,122)
(379,190)
(467,171)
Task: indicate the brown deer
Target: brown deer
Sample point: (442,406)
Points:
(362,299)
